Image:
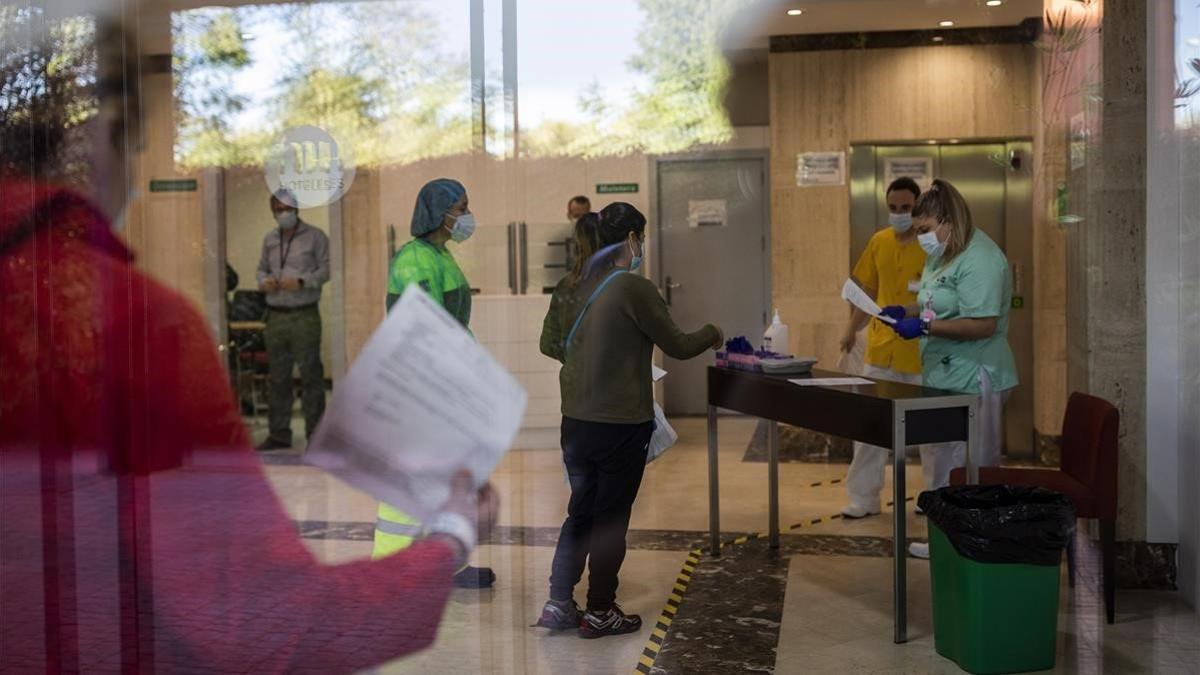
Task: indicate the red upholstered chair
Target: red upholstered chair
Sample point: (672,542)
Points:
(1088,477)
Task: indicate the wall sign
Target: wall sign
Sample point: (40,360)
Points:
(615,188)
(174,185)
(708,213)
(919,169)
(821,168)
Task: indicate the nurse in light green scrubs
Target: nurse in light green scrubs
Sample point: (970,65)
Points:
(961,318)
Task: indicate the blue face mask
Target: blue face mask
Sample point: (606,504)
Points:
(635,262)
(930,243)
(902,222)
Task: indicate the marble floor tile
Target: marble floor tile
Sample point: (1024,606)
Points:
(822,604)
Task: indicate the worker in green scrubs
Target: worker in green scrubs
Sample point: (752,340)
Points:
(961,319)
(441,215)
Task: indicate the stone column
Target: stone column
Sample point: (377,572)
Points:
(1106,258)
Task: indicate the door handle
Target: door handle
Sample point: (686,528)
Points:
(671,287)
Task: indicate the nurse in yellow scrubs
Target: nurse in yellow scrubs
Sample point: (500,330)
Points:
(889,271)
(961,319)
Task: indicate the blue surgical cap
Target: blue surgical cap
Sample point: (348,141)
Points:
(433,201)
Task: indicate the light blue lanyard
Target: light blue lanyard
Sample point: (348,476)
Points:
(595,294)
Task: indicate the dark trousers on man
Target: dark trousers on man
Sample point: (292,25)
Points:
(293,338)
(605,463)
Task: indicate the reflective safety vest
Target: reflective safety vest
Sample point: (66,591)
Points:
(394,531)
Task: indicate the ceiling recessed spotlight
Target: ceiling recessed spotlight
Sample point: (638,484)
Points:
(946,24)
(994,3)
(795,12)
(931,142)
(1194,42)
(938,38)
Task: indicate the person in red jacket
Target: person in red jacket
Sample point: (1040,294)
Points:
(138,531)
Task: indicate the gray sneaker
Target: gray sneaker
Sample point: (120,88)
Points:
(559,615)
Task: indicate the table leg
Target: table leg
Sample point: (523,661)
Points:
(773,482)
(899,529)
(714,501)
(973,454)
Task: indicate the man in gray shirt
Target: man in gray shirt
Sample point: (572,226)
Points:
(293,267)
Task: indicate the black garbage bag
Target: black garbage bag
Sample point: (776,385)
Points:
(1002,523)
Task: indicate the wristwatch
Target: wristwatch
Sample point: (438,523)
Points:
(927,318)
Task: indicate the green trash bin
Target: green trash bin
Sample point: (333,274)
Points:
(997,616)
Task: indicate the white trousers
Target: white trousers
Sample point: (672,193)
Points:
(991,436)
(864,481)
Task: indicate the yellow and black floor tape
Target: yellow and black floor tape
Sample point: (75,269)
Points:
(659,633)
(663,622)
(807,523)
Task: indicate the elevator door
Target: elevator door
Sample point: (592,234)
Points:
(995,180)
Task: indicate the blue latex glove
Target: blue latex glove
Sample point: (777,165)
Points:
(893,312)
(909,328)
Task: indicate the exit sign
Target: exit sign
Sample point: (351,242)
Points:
(174,185)
(615,188)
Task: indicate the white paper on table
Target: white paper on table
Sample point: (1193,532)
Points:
(422,401)
(831,381)
(657,373)
(857,297)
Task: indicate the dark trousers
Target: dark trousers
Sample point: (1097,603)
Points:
(604,464)
(294,339)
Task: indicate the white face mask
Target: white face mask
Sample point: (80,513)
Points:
(118,221)
(287,219)
(930,243)
(901,222)
(463,228)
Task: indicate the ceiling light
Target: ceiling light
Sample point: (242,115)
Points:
(994,3)
(1194,42)
(938,38)
(946,24)
(795,12)
(931,142)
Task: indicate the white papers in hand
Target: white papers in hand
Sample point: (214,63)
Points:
(422,401)
(857,297)
(657,373)
(831,381)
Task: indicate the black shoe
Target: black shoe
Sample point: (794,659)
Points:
(475,577)
(273,444)
(559,615)
(613,622)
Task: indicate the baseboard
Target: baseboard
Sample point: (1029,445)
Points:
(1148,566)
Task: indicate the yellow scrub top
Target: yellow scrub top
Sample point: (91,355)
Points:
(890,268)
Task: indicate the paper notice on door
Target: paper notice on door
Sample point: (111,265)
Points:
(859,298)
(657,373)
(708,213)
(422,401)
(920,169)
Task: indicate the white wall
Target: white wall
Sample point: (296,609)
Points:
(1173,311)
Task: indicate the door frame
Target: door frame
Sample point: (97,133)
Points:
(764,156)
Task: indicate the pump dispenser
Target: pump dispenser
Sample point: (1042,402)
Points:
(776,339)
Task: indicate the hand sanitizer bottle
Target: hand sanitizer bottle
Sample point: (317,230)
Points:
(776,339)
